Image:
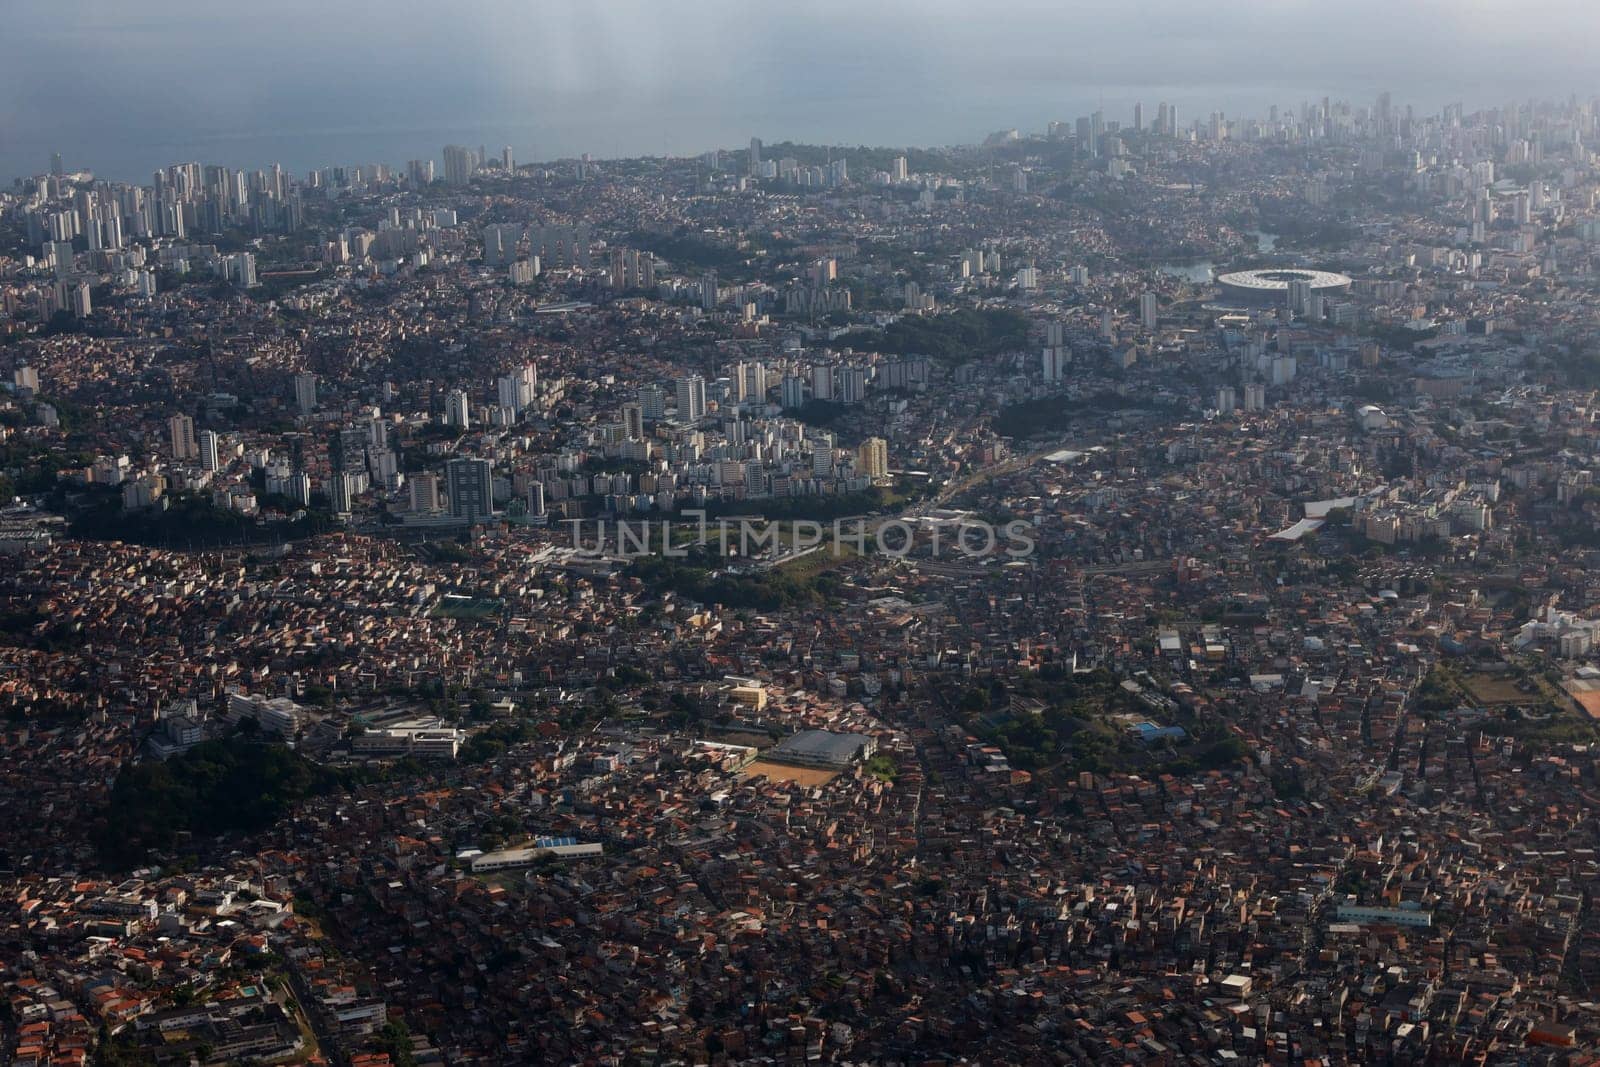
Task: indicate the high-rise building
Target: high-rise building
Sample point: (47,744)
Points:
(691,398)
(500,243)
(754,384)
(513,391)
(822,455)
(180,429)
(74,297)
(792,392)
(209,452)
(1054,360)
(305,392)
(342,491)
(1298,296)
(507,395)
(560,246)
(240,269)
(469,484)
(822,381)
(652,401)
(1148,308)
(424,490)
(852,384)
(872,459)
(60,253)
(457,413)
(633,422)
(458,164)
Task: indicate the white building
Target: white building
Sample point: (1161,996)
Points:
(275,715)
(691,398)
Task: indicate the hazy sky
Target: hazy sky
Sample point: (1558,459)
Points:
(124,86)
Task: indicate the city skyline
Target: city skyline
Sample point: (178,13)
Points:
(1122,113)
(633,80)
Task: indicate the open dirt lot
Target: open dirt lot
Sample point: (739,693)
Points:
(782,772)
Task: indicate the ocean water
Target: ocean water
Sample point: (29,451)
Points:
(122,89)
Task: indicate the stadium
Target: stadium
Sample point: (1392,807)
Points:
(1271,286)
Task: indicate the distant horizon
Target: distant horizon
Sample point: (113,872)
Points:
(124,90)
(297,160)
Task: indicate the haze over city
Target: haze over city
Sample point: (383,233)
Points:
(125,88)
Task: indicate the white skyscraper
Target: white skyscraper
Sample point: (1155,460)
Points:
(755,381)
(74,296)
(822,455)
(792,392)
(458,164)
(514,391)
(342,491)
(60,253)
(208,450)
(822,382)
(852,384)
(691,398)
(653,402)
(299,488)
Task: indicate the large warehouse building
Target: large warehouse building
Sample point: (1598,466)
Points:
(822,748)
